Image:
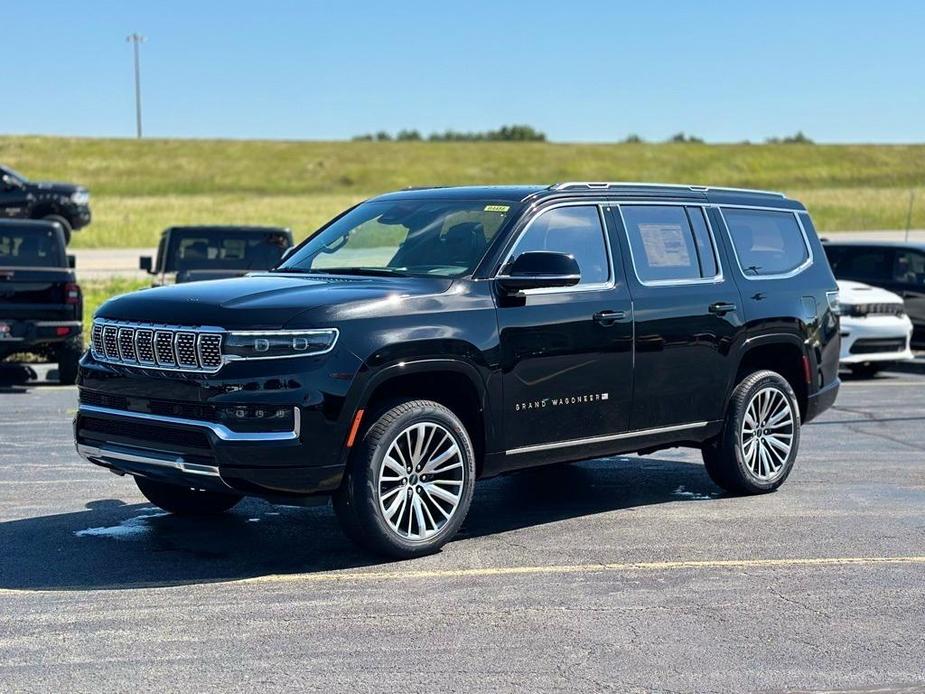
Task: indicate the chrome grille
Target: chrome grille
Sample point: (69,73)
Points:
(96,342)
(144,346)
(210,350)
(185,348)
(164,347)
(127,344)
(110,342)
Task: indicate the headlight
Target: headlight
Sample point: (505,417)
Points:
(81,197)
(278,344)
(834,304)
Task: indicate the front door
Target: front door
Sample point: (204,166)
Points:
(687,313)
(566,353)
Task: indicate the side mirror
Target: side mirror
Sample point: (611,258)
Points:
(144,263)
(10,182)
(72,261)
(539,270)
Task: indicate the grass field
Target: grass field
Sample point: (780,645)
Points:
(140,187)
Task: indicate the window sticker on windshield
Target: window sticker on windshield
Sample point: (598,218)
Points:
(497,208)
(664,245)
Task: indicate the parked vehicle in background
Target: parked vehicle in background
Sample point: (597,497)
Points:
(192,253)
(41,305)
(897,266)
(64,203)
(429,337)
(875,330)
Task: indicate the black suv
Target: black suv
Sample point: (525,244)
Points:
(192,253)
(427,338)
(64,203)
(896,266)
(41,306)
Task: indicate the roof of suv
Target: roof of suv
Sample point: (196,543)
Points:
(598,189)
(861,243)
(224,228)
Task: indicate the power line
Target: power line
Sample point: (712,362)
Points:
(136,40)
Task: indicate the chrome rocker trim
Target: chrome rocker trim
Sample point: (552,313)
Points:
(535,448)
(220,430)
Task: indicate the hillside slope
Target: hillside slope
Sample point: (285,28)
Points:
(139,187)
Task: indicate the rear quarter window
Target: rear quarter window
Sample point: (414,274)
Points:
(766,243)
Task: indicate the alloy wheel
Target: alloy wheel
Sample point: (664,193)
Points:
(767,433)
(421,480)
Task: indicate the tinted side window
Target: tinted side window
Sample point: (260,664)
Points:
(861,263)
(767,243)
(575,230)
(909,268)
(669,242)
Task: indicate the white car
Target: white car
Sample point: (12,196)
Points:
(875,330)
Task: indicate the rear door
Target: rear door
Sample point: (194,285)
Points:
(566,353)
(687,314)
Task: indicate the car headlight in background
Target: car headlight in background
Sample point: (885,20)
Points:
(834,304)
(278,344)
(81,197)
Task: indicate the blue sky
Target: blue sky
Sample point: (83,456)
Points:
(580,71)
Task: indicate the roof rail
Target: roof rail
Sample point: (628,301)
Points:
(606,185)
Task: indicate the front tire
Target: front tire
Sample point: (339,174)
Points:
(756,450)
(409,481)
(69,355)
(185,501)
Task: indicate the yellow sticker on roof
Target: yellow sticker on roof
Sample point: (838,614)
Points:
(497,208)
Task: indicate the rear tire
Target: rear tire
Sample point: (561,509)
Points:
(185,501)
(756,450)
(65,225)
(409,481)
(69,354)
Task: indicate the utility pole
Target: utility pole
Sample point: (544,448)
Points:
(136,40)
(909,213)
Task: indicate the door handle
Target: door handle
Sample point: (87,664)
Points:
(721,308)
(609,317)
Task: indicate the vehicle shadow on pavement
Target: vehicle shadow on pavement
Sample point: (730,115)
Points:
(113,545)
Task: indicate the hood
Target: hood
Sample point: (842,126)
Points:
(860,293)
(264,301)
(54,187)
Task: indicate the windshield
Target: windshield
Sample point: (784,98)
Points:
(224,250)
(439,238)
(31,248)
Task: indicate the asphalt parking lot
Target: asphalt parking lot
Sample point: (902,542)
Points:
(626,574)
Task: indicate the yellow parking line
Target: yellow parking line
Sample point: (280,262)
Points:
(627,567)
(579,568)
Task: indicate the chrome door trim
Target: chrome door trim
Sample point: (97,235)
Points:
(220,430)
(605,438)
(779,276)
(718,278)
(597,286)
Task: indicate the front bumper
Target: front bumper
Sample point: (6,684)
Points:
(875,339)
(202,454)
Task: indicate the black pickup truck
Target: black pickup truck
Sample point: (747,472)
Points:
(193,253)
(65,203)
(41,305)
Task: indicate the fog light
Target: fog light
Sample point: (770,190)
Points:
(257,417)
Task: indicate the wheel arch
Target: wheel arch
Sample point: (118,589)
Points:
(784,353)
(453,383)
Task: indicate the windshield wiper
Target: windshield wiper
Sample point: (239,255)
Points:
(383,271)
